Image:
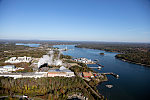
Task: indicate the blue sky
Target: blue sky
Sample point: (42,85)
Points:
(87,20)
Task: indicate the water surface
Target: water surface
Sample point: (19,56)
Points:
(29,44)
(134,81)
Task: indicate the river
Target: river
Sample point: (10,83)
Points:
(134,81)
(28,44)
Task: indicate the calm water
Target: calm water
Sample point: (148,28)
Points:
(30,45)
(134,81)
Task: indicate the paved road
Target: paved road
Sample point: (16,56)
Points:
(97,94)
(18,96)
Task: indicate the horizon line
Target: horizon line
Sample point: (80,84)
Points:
(73,40)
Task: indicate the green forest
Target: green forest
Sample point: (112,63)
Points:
(58,88)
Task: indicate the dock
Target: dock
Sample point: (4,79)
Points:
(99,64)
(99,67)
(96,62)
(111,73)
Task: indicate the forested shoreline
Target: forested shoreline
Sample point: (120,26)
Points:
(138,53)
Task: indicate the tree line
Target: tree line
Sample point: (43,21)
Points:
(57,88)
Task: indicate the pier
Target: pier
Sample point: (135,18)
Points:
(99,64)
(96,62)
(99,67)
(111,73)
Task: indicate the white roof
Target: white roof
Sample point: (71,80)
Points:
(62,68)
(9,66)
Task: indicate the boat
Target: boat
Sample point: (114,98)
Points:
(99,67)
(96,60)
(109,86)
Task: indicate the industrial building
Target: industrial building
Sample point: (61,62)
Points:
(5,71)
(83,60)
(13,75)
(19,59)
(61,72)
(34,74)
(25,75)
(9,68)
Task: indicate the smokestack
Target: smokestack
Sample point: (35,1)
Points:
(49,59)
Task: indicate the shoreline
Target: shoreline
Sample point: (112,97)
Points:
(125,60)
(120,58)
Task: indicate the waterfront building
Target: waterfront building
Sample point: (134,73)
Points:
(83,60)
(88,74)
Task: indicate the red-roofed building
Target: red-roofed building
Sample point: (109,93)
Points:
(87,74)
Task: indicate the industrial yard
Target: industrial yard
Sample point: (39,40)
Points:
(52,58)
